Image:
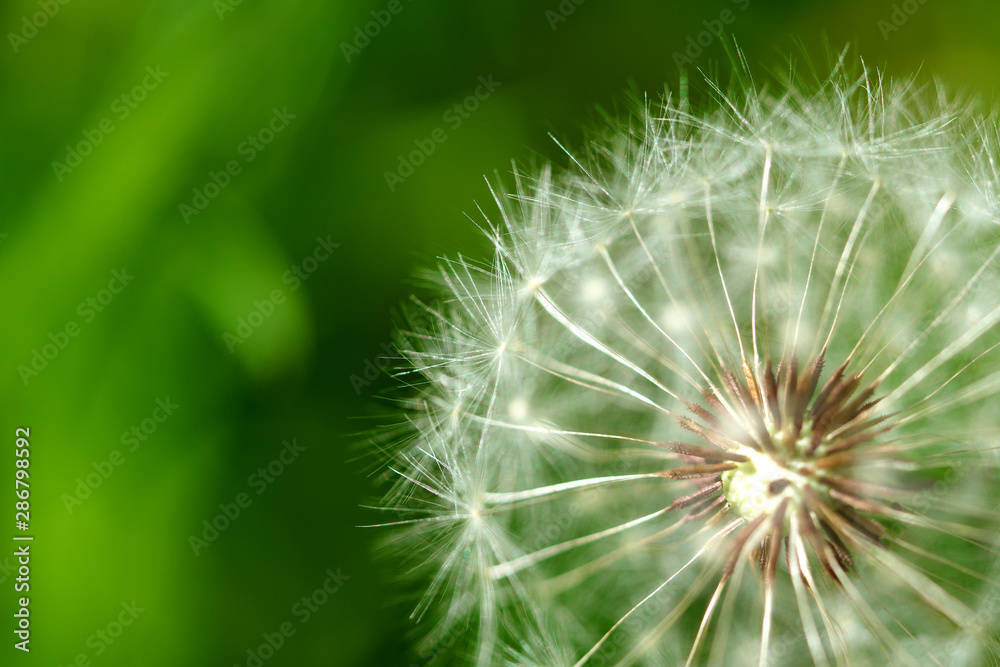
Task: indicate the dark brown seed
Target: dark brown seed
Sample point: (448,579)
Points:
(689,472)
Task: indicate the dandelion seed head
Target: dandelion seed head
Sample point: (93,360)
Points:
(725,393)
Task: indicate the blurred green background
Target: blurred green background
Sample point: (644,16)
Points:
(232,158)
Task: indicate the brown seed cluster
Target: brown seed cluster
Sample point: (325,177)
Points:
(779,445)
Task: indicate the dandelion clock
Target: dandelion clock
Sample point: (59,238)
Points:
(727,393)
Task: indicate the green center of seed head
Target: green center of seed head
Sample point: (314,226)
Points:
(785,431)
(759,485)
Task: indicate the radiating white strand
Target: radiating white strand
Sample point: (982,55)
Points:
(982,387)
(509,568)
(582,378)
(922,336)
(720,640)
(705,620)
(908,275)
(587,338)
(732,525)
(845,256)
(718,264)
(798,576)
(812,258)
(933,594)
(679,608)
(566,580)
(639,342)
(945,355)
(505,498)
(663,283)
(635,302)
(868,615)
(834,633)
(847,284)
(764,216)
